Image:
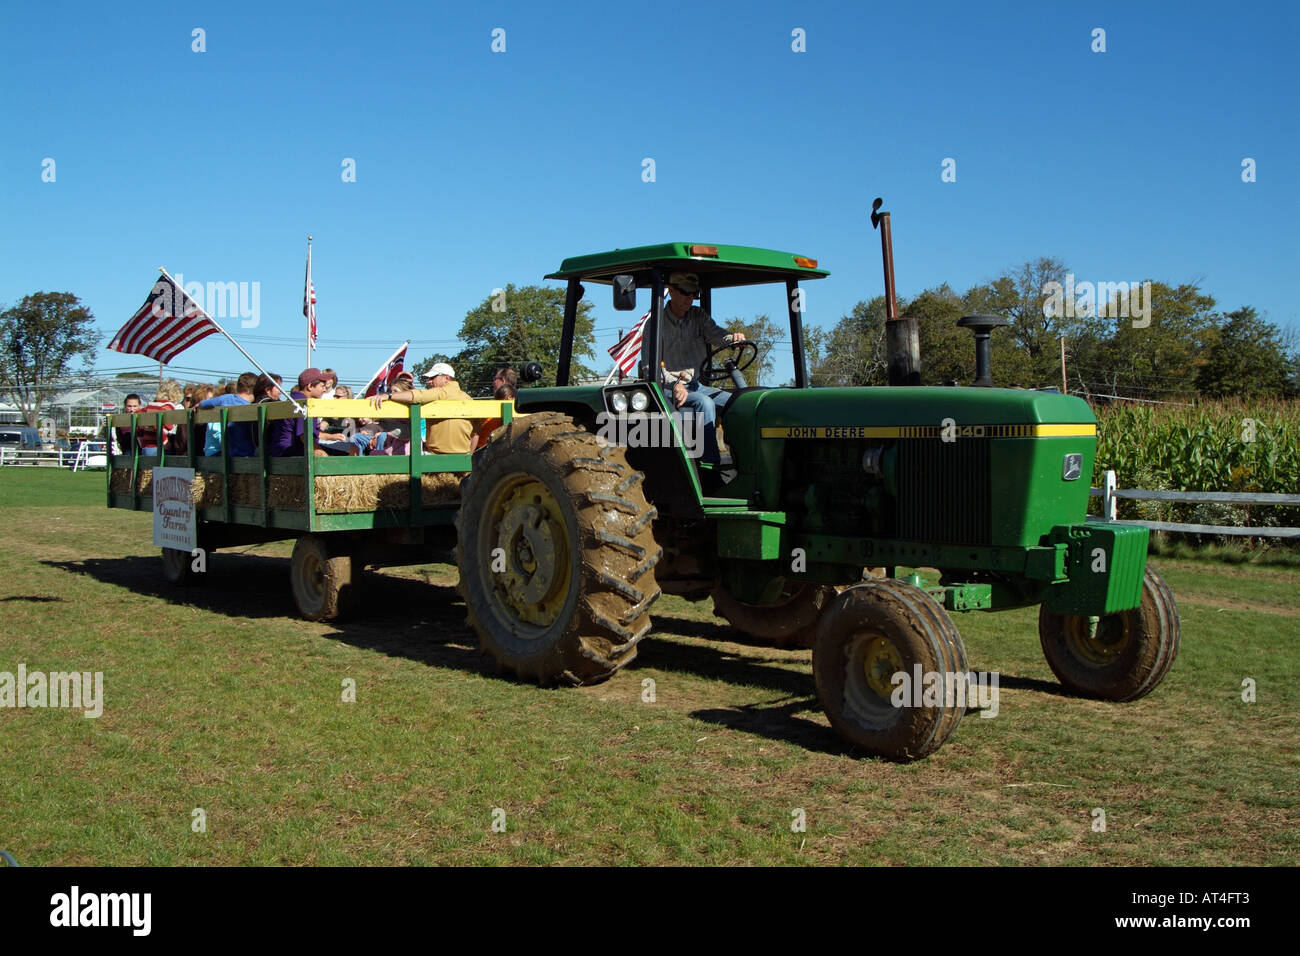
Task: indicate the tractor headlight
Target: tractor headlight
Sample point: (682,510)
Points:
(640,400)
(618,402)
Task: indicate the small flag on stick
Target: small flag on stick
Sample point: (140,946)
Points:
(627,350)
(386,372)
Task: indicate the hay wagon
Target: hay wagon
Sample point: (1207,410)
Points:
(346,512)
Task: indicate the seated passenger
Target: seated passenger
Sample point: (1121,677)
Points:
(286,437)
(447,436)
(122,436)
(168,398)
(504,393)
(240,436)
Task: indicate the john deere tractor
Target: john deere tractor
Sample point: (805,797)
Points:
(803,533)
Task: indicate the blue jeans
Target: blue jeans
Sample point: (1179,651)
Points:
(360,439)
(705,402)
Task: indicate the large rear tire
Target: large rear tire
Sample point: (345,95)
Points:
(1120,656)
(872,632)
(556,552)
(789,622)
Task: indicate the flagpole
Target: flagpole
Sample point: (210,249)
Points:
(217,325)
(387,362)
(306,305)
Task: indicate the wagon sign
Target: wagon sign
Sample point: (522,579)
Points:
(173,509)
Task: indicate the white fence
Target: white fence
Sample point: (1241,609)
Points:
(89,455)
(1111,494)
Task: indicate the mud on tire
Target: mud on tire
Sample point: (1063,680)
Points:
(1121,656)
(870,632)
(556,552)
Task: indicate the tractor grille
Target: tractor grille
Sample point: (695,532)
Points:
(943,490)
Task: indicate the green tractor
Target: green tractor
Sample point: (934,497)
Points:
(566,538)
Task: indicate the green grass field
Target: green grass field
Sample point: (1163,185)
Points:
(218,698)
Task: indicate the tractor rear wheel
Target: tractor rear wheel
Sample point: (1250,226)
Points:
(556,552)
(872,632)
(789,622)
(1120,656)
(326,579)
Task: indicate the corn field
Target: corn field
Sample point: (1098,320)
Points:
(1214,446)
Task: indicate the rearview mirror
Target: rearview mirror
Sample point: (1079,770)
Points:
(531,372)
(624,293)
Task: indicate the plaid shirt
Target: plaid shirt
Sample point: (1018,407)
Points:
(682,342)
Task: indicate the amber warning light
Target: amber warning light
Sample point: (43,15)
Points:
(704,251)
(805,262)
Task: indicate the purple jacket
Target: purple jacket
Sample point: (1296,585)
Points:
(285,435)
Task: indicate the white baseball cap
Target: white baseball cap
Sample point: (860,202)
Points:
(440,368)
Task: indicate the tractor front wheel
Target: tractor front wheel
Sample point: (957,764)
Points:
(886,663)
(1120,656)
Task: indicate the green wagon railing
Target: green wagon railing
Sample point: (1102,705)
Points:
(304,517)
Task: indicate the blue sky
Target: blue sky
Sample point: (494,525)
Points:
(475,169)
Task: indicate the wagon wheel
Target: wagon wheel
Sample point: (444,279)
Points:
(178,567)
(326,578)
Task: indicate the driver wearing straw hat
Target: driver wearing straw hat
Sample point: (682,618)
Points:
(686,338)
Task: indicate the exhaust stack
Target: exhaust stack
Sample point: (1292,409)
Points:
(983,326)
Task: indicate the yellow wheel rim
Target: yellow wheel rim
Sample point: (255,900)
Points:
(880,662)
(1099,641)
(527,551)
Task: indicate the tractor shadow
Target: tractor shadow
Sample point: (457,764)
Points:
(417,619)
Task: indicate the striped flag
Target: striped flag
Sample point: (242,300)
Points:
(627,350)
(386,372)
(309,302)
(167,324)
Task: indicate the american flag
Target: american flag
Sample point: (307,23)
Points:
(627,350)
(309,302)
(386,372)
(167,324)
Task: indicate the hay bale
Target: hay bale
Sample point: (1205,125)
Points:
(205,490)
(246,490)
(338,494)
(286,492)
(210,489)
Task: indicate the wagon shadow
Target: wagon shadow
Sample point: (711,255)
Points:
(400,616)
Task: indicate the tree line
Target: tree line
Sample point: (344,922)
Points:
(1183,346)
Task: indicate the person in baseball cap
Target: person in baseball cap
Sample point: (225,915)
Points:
(687,282)
(310,376)
(446,436)
(439,368)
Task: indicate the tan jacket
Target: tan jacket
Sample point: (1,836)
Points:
(446,436)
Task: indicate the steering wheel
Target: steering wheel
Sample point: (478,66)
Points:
(744,355)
